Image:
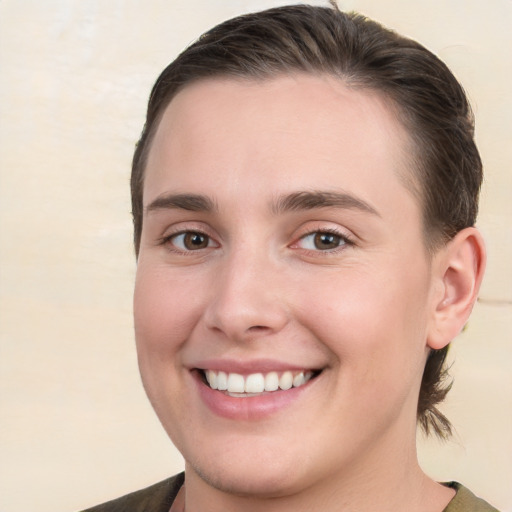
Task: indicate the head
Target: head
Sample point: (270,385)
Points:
(445,170)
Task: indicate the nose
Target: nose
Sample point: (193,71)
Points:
(248,299)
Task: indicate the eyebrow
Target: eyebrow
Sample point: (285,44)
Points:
(297,201)
(320,199)
(190,202)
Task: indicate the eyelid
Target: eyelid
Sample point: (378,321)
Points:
(345,239)
(210,241)
(181,229)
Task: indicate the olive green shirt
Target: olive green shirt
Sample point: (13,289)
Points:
(466,501)
(159,498)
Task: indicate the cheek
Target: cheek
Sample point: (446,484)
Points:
(164,312)
(373,322)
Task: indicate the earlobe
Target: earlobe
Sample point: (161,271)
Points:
(459,269)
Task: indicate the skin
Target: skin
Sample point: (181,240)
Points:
(366,310)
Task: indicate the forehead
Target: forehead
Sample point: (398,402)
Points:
(288,132)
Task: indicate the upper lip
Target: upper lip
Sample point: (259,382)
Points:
(250,366)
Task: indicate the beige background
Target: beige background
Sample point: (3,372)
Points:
(75,426)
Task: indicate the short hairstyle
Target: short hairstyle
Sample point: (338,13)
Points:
(446,170)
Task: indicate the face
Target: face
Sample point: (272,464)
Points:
(282,261)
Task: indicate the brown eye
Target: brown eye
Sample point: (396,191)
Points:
(191,241)
(325,241)
(322,241)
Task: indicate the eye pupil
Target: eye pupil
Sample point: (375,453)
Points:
(326,241)
(195,241)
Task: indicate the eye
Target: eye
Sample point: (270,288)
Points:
(322,241)
(191,241)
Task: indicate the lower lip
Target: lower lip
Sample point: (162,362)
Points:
(249,408)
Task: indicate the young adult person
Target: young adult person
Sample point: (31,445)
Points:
(304,196)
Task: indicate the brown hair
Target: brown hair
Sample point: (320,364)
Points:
(430,102)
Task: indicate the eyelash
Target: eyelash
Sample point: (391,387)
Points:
(343,241)
(168,240)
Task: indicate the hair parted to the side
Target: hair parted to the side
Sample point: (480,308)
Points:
(446,170)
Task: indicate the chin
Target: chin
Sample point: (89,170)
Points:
(248,483)
(252,475)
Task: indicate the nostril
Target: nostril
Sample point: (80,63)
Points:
(256,328)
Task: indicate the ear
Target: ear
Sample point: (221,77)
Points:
(458,270)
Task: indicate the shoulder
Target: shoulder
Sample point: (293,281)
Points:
(466,501)
(156,498)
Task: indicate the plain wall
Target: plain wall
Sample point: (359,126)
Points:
(75,427)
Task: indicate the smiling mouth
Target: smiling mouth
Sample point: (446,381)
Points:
(256,384)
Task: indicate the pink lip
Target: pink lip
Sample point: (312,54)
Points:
(248,366)
(249,408)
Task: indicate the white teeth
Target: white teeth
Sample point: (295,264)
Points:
(255,383)
(211,377)
(298,380)
(271,381)
(286,381)
(222,381)
(236,383)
